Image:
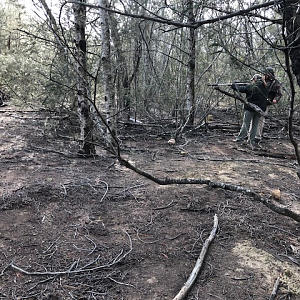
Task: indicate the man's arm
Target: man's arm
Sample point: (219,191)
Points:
(275,89)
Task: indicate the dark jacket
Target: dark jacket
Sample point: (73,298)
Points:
(256,93)
(274,90)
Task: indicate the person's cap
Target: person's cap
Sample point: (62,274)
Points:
(269,71)
(256,77)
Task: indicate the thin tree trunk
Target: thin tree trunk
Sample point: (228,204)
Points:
(125,81)
(191,103)
(107,75)
(86,124)
(291,24)
(55,29)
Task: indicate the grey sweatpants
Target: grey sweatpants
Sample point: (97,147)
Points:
(261,125)
(250,118)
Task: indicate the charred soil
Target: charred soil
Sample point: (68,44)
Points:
(88,228)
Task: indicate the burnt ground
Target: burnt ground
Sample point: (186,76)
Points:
(75,228)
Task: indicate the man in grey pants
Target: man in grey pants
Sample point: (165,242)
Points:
(257,94)
(274,96)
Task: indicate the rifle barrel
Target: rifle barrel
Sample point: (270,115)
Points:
(227,84)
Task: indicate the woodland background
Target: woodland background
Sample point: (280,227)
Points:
(143,61)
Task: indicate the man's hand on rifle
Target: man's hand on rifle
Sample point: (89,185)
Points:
(234,86)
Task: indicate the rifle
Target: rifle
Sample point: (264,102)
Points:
(227,84)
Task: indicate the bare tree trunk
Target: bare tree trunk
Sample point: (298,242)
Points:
(86,124)
(107,75)
(291,22)
(191,103)
(54,27)
(125,80)
(292,25)
(52,20)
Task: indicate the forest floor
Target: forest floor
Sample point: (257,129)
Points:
(88,228)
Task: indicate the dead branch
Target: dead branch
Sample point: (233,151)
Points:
(276,155)
(69,271)
(267,153)
(246,160)
(224,127)
(178,24)
(276,207)
(135,124)
(292,259)
(164,207)
(68,155)
(193,276)
(275,288)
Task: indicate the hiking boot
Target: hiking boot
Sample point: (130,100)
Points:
(254,146)
(257,141)
(240,142)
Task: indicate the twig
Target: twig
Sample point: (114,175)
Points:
(83,269)
(214,296)
(292,259)
(106,184)
(133,187)
(53,244)
(164,207)
(121,283)
(193,276)
(52,150)
(144,242)
(86,249)
(40,282)
(6,267)
(280,229)
(275,288)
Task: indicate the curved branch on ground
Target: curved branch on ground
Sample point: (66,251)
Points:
(276,207)
(193,276)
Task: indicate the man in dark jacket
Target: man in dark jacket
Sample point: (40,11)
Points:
(256,93)
(274,96)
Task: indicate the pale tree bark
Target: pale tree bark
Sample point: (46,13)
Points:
(86,123)
(48,11)
(53,25)
(108,87)
(55,28)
